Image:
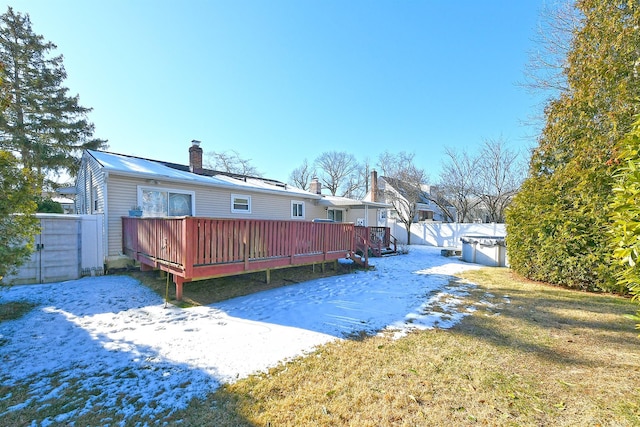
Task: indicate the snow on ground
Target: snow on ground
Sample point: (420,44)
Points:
(114,336)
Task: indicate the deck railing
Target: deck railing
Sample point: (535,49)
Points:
(377,239)
(196,248)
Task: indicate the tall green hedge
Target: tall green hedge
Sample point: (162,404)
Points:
(557,224)
(625,213)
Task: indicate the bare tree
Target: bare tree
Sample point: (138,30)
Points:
(544,72)
(438,197)
(405,181)
(360,182)
(458,183)
(338,172)
(483,185)
(500,174)
(301,176)
(231,162)
(545,69)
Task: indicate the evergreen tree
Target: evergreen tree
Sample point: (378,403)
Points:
(18,225)
(556,225)
(42,125)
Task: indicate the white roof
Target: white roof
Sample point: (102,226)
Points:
(62,200)
(134,166)
(352,203)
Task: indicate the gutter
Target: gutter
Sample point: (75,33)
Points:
(214,185)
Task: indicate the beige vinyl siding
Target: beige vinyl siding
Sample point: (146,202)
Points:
(209,202)
(122,194)
(352,215)
(214,202)
(314,211)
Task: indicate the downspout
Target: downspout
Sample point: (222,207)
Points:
(83,209)
(366,215)
(105,217)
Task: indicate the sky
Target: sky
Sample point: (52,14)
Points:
(283,81)
(113,336)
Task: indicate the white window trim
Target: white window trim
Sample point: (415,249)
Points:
(344,215)
(141,188)
(240,196)
(304,209)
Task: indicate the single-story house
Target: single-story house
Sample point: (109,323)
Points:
(111,185)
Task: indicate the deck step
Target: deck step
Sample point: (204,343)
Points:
(357,259)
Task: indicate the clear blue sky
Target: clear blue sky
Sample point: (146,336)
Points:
(281,81)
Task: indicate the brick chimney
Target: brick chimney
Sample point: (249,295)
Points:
(195,156)
(315,187)
(374,186)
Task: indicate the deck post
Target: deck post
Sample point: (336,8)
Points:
(179,281)
(268,276)
(145,267)
(246,241)
(367,245)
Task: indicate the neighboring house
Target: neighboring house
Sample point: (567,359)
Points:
(383,188)
(68,205)
(112,184)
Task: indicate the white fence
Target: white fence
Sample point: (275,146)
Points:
(443,235)
(68,247)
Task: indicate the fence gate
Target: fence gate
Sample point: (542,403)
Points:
(57,252)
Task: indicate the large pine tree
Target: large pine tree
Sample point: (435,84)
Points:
(557,224)
(18,225)
(43,124)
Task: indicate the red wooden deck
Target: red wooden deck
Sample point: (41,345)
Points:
(192,248)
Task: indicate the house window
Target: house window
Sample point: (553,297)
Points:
(95,200)
(336,214)
(240,203)
(297,210)
(425,215)
(163,202)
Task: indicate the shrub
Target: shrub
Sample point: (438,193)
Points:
(49,206)
(625,213)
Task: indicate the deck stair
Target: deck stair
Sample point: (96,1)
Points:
(378,240)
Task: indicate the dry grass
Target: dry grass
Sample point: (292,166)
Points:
(14,310)
(529,355)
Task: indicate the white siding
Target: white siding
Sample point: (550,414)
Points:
(90,187)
